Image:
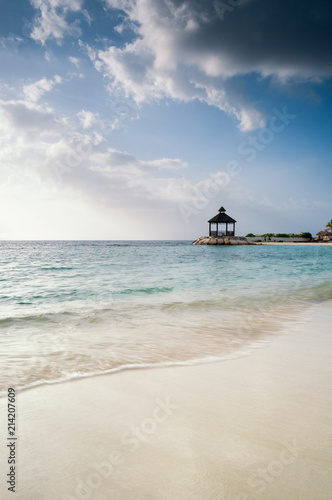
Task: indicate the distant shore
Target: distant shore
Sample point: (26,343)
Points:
(324,243)
(244,240)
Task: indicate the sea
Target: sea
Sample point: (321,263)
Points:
(73,309)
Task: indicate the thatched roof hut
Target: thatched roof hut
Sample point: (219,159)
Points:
(324,235)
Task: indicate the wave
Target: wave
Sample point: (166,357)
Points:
(149,291)
(318,293)
(83,308)
(156,341)
(47,346)
(53,268)
(70,377)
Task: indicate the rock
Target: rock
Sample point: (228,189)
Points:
(222,240)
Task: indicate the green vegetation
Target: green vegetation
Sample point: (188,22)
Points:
(329,225)
(306,235)
(268,236)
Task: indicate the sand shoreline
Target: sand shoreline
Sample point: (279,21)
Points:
(294,243)
(248,428)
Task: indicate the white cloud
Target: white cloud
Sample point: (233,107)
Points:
(11,41)
(34,91)
(48,55)
(54,162)
(250,119)
(90,120)
(88,50)
(185,51)
(33,138)
(75,61)
(167,164)
(93,121)
(52,22)
(87,16)
(160,62)
(25,119)
(50,148)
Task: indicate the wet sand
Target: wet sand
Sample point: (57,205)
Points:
(255,427)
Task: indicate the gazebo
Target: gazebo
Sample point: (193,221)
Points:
(218,225)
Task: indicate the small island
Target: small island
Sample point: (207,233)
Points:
(222,232)
(324,236)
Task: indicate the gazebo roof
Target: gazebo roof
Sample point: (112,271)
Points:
(222,217)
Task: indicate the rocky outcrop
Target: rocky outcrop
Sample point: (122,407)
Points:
(223,240)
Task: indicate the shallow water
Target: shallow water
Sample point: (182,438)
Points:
(74,309)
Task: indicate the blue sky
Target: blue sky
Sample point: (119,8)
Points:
(138,119)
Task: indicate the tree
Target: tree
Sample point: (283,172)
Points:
(329,225)
(306,235)
(268,235)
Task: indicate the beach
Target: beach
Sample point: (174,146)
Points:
(161,370)
(138,359)
(258,426)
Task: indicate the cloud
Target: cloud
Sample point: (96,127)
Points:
(75,61)
(186,50)
(93,121)
(166,164)
(87,16)
(88,50)
(66,154)
(90,120)
(52,22)
(11,41)
(24,119)
(34,91)
(71,159)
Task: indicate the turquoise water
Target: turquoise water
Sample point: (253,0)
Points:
(74,309)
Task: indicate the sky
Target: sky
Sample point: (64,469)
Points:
(139,119)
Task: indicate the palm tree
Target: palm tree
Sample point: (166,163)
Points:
(329,225)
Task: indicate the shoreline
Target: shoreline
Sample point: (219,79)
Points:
(252,427)
(327,243)
(243,241)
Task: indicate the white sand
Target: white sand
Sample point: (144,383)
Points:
(256,427)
